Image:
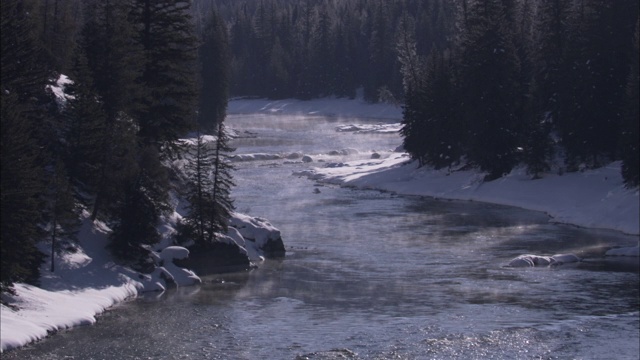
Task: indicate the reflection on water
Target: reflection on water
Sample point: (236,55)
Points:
(372,275)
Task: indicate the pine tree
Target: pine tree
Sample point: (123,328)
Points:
(113,57)
(195,225)
(630,147)
(214,60)
(145,199)
(322,45)
(302,51)
(489,76)
(20,189)
(23,77)
(209,194)
(169,46)
(597,60)
(64,221)
(549,84)
(380,52)
(85,129)
(59,27)
(222,183)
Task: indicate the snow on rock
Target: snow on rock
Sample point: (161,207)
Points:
(370,128)
(58,89)
(254,157)
(632,251)
(173,252)
(178,275)
(529,260)
(259,233)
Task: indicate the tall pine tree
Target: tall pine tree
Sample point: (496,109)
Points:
(169,45)
(630,144)
(214,61)
(489,74)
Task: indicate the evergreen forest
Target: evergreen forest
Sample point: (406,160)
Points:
(486,84)
(139,76)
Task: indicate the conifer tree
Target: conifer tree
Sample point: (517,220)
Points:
(23,77)
(169,45)
(110,96)
(214,60)
(113,56)
(210,183)
(597,59)
(630,144)
(222,183)
(59,26)
(489,73)
(64,221)
(20,189)
(144,201)
(549,82)
(322,45)
(85,128)
(195,225)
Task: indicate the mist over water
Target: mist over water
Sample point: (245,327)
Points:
(372,275)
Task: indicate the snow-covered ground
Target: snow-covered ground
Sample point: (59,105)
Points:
(338,107)
(87,282)
(593,198)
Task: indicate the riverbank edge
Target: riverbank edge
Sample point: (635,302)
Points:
(578,199)
(87,282)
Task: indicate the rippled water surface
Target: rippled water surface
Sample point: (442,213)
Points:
(372,275)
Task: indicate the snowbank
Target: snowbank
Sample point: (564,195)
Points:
(330,106)
(593,198)
(86,281)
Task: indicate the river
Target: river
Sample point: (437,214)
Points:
(371,275)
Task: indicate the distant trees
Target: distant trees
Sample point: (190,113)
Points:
(630,136)
(215,71)
(307,49)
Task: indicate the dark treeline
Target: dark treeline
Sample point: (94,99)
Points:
(143,76)
(526,81)
(313,48)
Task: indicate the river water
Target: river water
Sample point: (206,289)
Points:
(371,275)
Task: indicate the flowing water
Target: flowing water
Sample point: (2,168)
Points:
(371,275)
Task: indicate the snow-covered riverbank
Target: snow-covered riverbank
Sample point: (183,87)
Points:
(592,198)
(87,281)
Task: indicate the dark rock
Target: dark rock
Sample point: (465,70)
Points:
(274,249)
(215,258)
